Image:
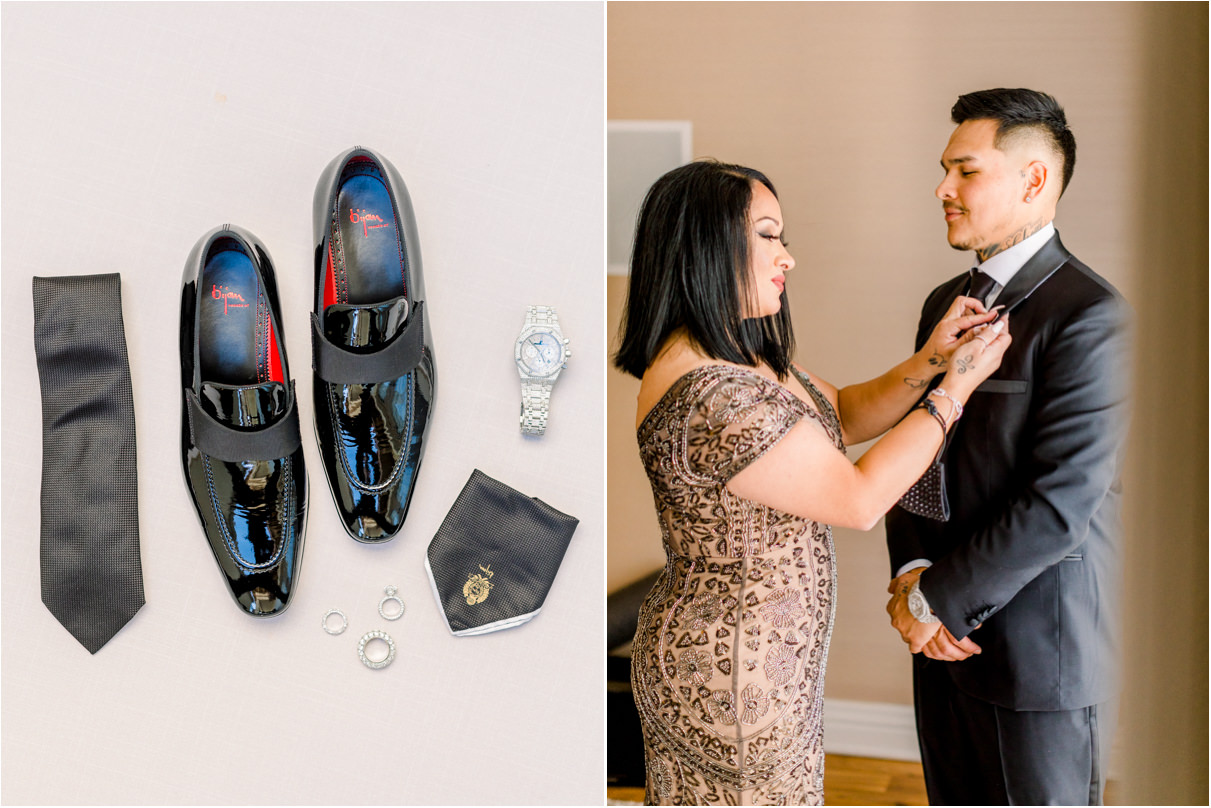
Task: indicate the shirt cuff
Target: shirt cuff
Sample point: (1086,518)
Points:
(912,565)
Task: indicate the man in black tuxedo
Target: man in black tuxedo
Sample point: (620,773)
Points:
(1011,606)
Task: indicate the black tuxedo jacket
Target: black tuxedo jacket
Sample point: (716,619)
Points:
(1031,550)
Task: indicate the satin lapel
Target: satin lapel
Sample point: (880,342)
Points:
(1050,257)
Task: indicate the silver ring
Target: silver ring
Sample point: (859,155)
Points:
(980,337)
(344,622)
(376,635)
(391,590)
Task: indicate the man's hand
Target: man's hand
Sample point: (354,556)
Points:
(912,631)
(946,648)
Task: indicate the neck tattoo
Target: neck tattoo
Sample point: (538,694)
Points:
(1016,237)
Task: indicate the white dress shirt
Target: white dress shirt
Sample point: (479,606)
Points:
(1001,268)
(1004,265)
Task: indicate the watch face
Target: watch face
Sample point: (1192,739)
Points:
(541,354)
(918,606)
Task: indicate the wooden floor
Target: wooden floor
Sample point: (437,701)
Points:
(849,781)
(867,781)
(861,781)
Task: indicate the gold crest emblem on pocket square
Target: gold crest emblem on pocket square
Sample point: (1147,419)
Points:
(477,587)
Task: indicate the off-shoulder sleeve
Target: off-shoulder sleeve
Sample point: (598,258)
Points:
(735,421)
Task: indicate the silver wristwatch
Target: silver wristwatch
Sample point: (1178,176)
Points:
(541,353)
(918,606)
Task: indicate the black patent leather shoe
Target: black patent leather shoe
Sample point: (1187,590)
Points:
(240,443)
(372,351)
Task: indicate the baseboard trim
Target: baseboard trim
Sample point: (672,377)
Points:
(870,729)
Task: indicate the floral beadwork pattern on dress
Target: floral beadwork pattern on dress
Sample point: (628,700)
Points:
(704,611)
(782,608)
(781,663)
(722,706)
(754,704)
(694,666)
(729,657)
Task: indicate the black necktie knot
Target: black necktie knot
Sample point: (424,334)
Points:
(980,286)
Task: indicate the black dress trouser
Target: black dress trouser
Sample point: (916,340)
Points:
(976,753)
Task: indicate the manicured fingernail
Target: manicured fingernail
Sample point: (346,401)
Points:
(998,326)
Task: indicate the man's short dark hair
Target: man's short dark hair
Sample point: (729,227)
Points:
(690,269)
(1014,110)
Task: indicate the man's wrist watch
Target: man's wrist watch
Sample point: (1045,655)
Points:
(918,606)
(541,353)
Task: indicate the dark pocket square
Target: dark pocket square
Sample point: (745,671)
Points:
(494,558)
(927,497)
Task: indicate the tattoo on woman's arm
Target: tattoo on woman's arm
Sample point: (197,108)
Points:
(937,360)
(915,384)
(965,363)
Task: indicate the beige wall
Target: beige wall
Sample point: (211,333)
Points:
(846,107)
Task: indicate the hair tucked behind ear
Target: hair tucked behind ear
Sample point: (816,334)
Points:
(690,269)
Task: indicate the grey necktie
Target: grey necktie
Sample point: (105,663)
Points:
(92,580)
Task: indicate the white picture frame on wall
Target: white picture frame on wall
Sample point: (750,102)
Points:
(637,154)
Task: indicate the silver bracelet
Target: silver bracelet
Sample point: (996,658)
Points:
(957,412)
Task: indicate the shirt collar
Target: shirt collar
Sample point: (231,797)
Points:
(1004,265)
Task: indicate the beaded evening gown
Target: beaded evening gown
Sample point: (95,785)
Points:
(729,656)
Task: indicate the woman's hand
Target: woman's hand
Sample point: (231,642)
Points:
(964,314)
(976,356)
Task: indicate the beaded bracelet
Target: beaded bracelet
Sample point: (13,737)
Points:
(929,407)
(957,412)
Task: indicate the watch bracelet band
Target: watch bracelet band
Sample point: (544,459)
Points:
(535,406)
(542,315)
(536,394)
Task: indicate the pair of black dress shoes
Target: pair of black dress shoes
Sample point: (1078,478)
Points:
(374,381)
